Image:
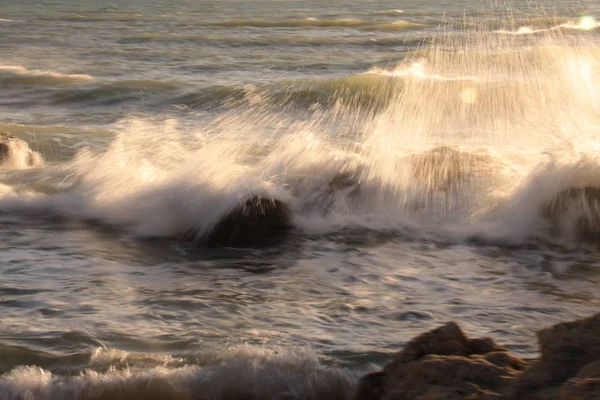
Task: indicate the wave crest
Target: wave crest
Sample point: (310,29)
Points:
(19,74)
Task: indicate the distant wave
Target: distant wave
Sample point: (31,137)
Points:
(387,12)
(321,23)
(539,25)
(113,92)
(416,70)
(19,74)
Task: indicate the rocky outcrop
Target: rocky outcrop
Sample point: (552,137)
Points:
(258,221)
(16,154)
(446,364)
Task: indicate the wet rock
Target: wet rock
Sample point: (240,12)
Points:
(15,153)
(576,209)
(258,221)
(445,364)
(443,168)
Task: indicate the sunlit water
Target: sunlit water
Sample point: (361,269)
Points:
(155,119)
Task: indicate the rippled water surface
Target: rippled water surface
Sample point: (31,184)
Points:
(432,155)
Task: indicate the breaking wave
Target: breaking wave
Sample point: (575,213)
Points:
(241,373)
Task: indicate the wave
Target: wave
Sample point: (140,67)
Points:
(259,374)
(293,23)
(103,16)
(113,92)
(416,70)
(583,24)
(321,23)
(390,13)
(399,25)
(387,12)
(22,75)
(363,91)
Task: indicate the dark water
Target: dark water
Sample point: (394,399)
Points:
(153,119)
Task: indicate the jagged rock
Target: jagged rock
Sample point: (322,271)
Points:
(258,221)
(15,153)
(446,364)
(448,340)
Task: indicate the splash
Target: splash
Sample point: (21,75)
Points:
(477,134)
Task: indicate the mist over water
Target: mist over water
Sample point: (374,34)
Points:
(439,162)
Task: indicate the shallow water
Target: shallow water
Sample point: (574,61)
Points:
(155,120)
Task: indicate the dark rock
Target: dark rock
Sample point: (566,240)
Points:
(372,386)
(565,349)
(505,359)
(257,222)
(582,205)
(591,370)
(580,389)
(445,364)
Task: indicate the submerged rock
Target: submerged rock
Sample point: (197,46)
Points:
(446,364)
(258,221)
(16,153)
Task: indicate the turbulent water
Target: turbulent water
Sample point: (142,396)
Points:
(433,156)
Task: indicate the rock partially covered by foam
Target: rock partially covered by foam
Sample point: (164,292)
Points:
(576,210)
(443,168)
(446,364)
(256,222)
(16,153)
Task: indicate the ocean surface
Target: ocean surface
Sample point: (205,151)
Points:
(421,146)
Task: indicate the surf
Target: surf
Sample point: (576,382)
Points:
(455,141)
